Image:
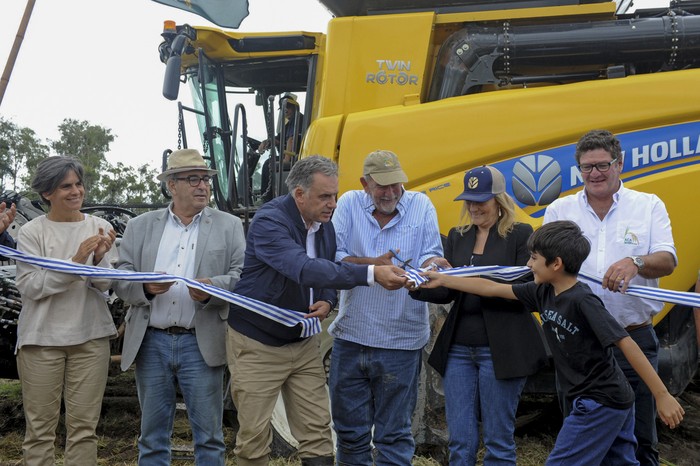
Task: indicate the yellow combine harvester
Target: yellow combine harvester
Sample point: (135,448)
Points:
(450,85)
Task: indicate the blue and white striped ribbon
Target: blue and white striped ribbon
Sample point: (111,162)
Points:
(494,271)
(656,294)
(309,327)
(511,273)
(312,325)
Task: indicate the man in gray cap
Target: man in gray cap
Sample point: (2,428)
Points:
(175,334)
(379,334)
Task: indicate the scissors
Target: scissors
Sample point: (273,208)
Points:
(403,263)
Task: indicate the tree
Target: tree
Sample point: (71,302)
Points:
(7,130)
(124,185)
(148,188)
(19,146)
(89,144)
(119,185)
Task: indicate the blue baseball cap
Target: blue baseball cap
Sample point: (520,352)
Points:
(482,184)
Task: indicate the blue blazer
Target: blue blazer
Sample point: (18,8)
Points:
(277,270)
(7,240)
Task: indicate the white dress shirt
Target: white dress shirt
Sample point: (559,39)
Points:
(637,224)
(176,255)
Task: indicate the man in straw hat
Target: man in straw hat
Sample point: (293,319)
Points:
(174,334)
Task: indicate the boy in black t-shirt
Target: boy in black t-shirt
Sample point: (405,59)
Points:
(580,333)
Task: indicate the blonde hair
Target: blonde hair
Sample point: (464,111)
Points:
(506,216)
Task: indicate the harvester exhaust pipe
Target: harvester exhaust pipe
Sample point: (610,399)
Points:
(476,56)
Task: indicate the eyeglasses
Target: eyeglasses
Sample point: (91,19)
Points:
(601,167)
(194,180)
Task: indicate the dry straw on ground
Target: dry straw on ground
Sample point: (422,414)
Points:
(119,427)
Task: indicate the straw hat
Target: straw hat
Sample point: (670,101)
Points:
(185,160)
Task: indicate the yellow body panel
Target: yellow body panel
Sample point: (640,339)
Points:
(602,10)
(217,47)
(437,142)
(445,138)
(324,139)
(392,64)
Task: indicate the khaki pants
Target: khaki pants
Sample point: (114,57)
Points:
(259,373)
(79,373)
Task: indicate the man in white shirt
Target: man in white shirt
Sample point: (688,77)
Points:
(631,243)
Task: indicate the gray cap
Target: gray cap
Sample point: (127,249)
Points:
(384,168)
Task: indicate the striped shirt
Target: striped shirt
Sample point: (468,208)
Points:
(373,316)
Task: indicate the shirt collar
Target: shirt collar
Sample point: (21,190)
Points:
(177,220)
(315,226)
(616,194)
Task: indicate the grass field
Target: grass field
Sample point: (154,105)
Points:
(119,427)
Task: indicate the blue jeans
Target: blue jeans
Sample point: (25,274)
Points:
(644,403)
(163,362)
(373,387)
(595,434)
(472,392)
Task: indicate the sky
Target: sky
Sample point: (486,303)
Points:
(98,61)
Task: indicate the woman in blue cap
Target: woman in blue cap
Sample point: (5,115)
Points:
(487,347)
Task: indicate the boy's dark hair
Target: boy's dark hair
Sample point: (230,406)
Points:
(562,239)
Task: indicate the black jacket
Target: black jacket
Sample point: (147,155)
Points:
(7,240)
(514,336)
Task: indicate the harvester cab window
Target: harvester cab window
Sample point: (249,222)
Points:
(275,162)
(251,120)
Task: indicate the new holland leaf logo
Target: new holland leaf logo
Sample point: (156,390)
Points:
(537,180)
(473,182)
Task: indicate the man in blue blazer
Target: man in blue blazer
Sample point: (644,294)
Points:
(176,335)
(290,263)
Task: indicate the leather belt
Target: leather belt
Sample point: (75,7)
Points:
(175,330)
(629,328)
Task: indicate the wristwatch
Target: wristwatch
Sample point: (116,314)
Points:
(332,304)
(638,261)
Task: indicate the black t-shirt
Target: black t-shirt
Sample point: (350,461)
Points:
(580,333)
